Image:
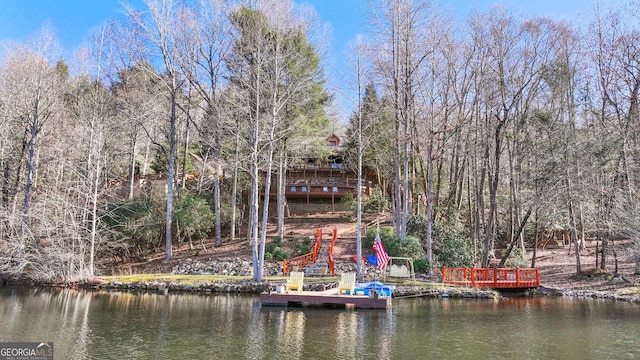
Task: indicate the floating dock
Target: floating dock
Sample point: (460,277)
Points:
(329,298)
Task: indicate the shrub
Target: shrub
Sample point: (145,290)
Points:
(275,243)
(417,225)
(409,247)
(453,246)
(455,252)
(349,201)
(517,259)
(193,216)
(138,223)
(274,251)
(421,265)
(376,202)
(304,247)
(387,234)
(280,254)
(225,205)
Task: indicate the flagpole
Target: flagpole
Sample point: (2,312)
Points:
(375,272)
(381,254)
(375,281)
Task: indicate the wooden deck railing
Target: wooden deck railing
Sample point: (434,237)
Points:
(332,263)
(303,260)
(496,278)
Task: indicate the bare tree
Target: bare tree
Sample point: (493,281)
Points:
(510,79)
(614,55)
(33,83)
(275,67)
(360,54)
(402,51)
(160,28)
(204,41)
(90,105)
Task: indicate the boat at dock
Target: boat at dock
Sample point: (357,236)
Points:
(368,287)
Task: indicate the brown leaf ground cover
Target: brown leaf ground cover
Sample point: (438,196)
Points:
(558,270)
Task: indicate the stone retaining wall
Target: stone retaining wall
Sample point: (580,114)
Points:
(243,267)
(253,287)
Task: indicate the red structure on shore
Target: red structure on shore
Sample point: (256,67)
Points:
(322,260)
(494,278)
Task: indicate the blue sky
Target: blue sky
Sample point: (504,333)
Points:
(73,21)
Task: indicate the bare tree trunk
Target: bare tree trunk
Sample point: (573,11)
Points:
(185,151)
(535,243)
(132,167)
(219,173)
(514,239)
(493,189)
(430,210)
(398,191)
(265,205)
(358,187)
(217,212)
(145,165)
(574,237)
(27,190)
(158,30)
(170,178)
(252,232)
(94,218)
(234,189)
(280,194)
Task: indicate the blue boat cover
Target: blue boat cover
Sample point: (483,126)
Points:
(383,289)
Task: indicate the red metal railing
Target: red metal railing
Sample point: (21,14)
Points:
(496,278)
(331,261)
(306,259)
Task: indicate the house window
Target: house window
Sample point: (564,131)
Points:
(304,189)
(325,189)
(293,189)
(335,189)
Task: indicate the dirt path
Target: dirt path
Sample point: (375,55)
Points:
(558,269)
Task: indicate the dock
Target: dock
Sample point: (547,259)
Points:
(328,298)
(494,278)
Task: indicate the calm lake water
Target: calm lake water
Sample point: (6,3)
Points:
(121,325)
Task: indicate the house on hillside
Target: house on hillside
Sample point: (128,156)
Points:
(324,180)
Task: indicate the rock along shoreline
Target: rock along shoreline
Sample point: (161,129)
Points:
(253,287)
(242,286)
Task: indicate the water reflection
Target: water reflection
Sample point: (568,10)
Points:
(116,325)
(292,323)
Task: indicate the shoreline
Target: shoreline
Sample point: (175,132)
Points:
(249,286)
(240,285)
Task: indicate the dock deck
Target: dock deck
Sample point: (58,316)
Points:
(495,278)
(328,298)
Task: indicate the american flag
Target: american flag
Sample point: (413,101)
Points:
(381,255)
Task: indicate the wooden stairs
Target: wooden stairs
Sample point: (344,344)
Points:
(318,262)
